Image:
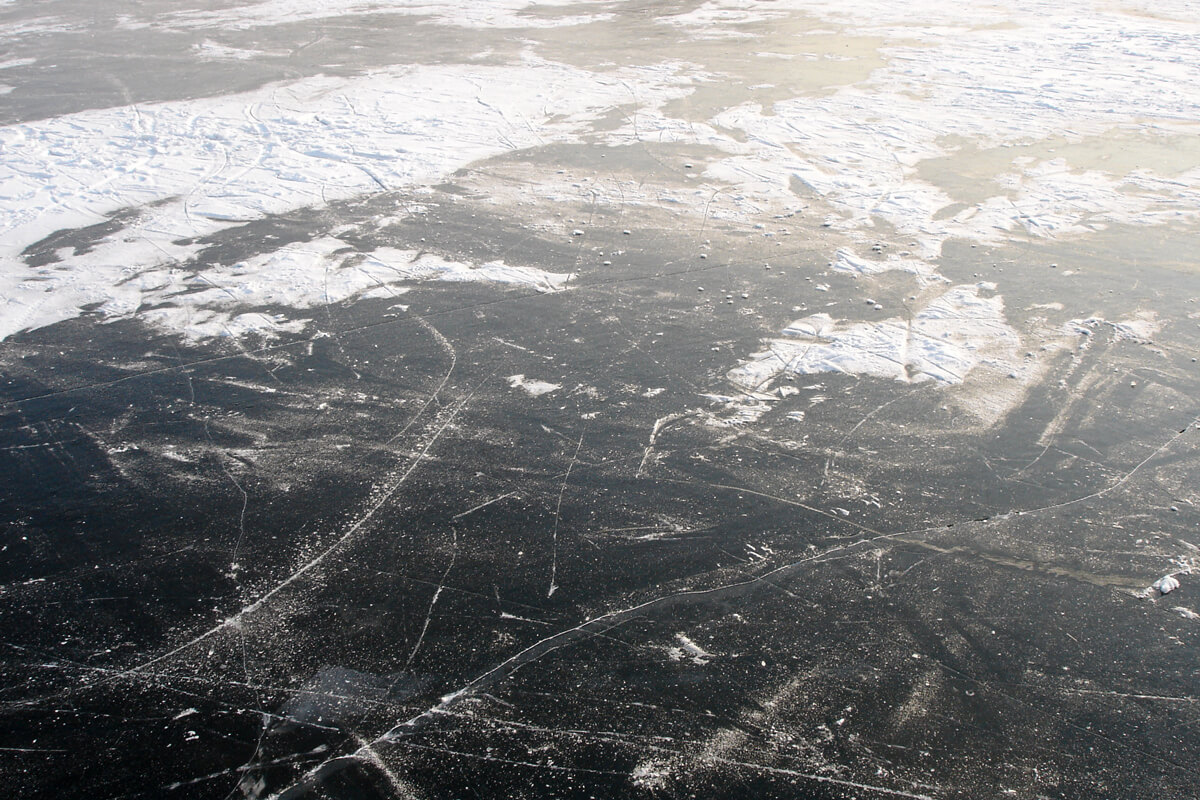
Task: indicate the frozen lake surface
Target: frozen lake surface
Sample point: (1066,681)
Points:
(599,398)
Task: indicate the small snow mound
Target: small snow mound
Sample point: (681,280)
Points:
(1166,584)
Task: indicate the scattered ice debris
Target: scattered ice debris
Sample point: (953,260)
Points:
(577,232)
(535,388)
(1166,584)
(1185,612)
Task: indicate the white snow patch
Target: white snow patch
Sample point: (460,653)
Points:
(714,14)
(969,81)
(413,265)
(845,260)
(943,341)
(215,300)
(535,388)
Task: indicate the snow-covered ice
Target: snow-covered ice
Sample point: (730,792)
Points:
(943,341)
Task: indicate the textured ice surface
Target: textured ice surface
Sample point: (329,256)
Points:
(605,399)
